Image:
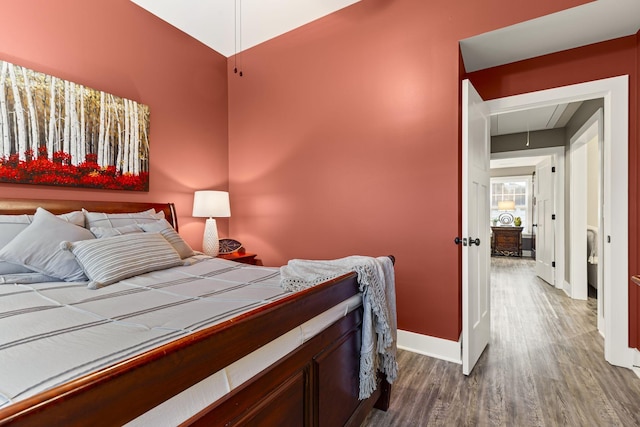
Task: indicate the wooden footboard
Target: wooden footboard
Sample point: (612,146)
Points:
(316,385)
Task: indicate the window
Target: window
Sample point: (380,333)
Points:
(518,189)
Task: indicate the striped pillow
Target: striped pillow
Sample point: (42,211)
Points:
(163,227)
(102,232)
(111,259)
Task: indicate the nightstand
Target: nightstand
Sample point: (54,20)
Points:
(243,257)
(506,241)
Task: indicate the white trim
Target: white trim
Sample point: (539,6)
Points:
(579,288)
(636,362)
(615,91)
(578,209)
(439,348)
(534,152)
(566,287)
(558,182)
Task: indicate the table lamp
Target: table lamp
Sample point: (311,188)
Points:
(209,204)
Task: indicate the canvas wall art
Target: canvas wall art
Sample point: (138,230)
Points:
(56,132)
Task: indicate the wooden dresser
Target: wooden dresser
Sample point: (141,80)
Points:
(506,241)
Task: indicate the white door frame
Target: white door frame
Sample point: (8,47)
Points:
(615,91)
(557,154)
(578,286)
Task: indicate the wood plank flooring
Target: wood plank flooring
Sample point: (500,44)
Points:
(544,367)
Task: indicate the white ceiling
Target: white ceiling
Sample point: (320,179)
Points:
(543,118)
(230,26)
(551,117)
(579,26)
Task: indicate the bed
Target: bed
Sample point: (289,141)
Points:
(315,384)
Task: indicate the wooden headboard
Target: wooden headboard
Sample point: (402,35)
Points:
(29,206)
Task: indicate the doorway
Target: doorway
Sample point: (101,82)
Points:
(615,200)
(555,157)
(586,167)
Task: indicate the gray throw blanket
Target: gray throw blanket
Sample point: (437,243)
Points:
(377,283)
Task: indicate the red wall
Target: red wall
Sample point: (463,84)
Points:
(115,46)
(598,61)
(343,139)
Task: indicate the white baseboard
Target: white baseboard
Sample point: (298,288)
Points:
(636,362)
(439,348)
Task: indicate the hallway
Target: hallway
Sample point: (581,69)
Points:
(544,367)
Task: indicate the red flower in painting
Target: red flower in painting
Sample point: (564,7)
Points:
(60,171)
(62,157)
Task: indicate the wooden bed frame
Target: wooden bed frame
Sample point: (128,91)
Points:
(316,385)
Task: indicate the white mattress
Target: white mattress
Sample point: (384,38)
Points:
(53,332)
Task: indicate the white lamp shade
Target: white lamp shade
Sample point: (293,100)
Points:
(211,204)
(507,205)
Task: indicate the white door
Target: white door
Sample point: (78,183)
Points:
(545,227)
(476,310)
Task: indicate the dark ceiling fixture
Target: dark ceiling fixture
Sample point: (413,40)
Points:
(237,27)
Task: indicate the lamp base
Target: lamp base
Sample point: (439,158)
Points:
(210,244)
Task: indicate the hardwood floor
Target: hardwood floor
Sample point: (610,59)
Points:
(544,366)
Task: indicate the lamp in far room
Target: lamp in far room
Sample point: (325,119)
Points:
(209,204)
(506,218)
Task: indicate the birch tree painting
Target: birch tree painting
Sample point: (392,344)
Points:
(57,132)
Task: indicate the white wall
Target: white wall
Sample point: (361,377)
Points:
(593,179)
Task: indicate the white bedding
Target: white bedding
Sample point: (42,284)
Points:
(54,331)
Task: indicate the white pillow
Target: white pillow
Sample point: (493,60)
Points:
(26,278)
(101,232)
(111,259)
(11,268)
(163,227)
(37,247)
(12,225)
(75,217)
(101,219)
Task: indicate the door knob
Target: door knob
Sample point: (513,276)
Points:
(475,241)
(458,240)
